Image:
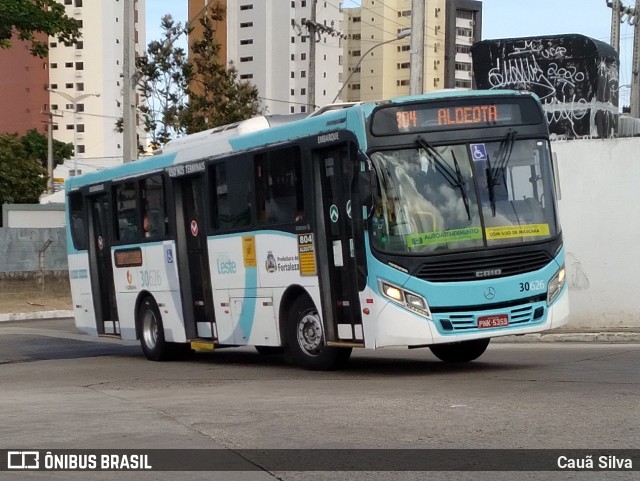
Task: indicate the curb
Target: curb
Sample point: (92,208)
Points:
(34,316)
(574,336)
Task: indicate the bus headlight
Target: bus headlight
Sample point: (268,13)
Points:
(555,286)
(406,299)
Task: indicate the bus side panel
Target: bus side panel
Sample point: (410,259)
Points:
(232,273)
(280,267)
(250,274)
(157,275)
(83,311)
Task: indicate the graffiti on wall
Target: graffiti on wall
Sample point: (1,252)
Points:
(575,77)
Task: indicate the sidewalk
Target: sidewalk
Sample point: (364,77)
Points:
(565,334)
(34,316)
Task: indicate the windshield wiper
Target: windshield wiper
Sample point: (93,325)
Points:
(493,173)
(454,178)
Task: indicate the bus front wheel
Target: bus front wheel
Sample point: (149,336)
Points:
(464,351)
(305,339)
(152,340)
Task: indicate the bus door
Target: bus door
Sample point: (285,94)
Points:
(100,265)
(334,173)
(193,258)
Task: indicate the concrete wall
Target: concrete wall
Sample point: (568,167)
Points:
(33,215)
(600,216)
(19,251)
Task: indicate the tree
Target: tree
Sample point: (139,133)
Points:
(29,17)
(162,77)
(37,148)
(22,180)
(216,95)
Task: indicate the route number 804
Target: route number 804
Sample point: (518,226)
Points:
(532,286)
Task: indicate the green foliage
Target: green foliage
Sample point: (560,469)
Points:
(216,95)
(27,18)
(162,77)
(22,179)
(187,96)
(37,148)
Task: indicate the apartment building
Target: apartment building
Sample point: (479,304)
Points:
(378,67)
(23,93)
(86,80)
(269,44)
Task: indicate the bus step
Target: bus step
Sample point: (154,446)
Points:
(344,344)
(111,336)
(202,345)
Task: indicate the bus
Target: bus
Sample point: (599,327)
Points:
(422,221)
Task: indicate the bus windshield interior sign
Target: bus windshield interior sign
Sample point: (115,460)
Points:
(451,114)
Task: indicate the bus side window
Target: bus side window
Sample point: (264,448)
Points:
(78,224)
(279,186)
(230,194)
(127,212)
(154,223)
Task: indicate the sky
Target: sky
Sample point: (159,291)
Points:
(500,19)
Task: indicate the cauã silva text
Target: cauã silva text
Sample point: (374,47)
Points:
(603,462)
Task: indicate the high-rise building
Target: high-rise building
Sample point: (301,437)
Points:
(89,76)
(269,44)
(80,84)
(23,89)
(451,27)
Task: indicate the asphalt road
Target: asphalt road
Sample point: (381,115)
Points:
(60,389)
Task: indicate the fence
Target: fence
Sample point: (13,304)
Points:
(33,270)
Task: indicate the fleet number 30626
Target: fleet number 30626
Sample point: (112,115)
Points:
(532,286)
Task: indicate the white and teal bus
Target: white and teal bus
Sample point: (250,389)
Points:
(425,221)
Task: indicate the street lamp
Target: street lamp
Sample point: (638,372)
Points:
(403,34)
(74,101)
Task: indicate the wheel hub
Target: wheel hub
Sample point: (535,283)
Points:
(310,333)
(150,330)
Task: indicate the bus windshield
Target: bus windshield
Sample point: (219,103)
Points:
(463,196)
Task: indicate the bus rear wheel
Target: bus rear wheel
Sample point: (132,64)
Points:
(305,339)
(152,340)
(464,351)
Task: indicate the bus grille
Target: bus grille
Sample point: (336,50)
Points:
(518,316)
(492,266)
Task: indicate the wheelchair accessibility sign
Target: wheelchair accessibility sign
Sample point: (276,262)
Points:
(478,152)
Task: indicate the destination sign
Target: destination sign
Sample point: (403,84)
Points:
(451,114)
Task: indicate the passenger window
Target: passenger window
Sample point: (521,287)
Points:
(78,224)
(230,194)
(154,220)
(279,187)
(127,212)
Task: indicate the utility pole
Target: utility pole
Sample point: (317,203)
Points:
(50,161)
(130,141)
(311,92)
(635,69)
(630,15)
(615,25)
(315,31)
(416,80)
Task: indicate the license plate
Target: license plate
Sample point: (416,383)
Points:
(497,320)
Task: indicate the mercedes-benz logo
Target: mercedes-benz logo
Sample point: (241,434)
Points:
(489,293)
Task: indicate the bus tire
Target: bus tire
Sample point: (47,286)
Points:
(464,351)
(269,350)
(305,339)
(152,340)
